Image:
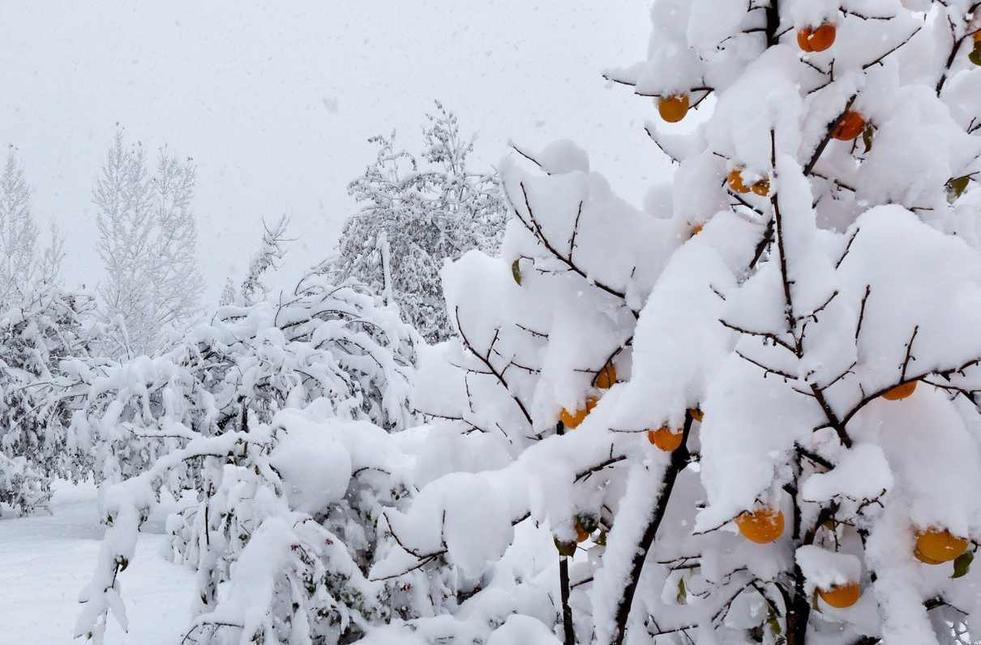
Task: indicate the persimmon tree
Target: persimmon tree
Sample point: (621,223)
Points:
(792,454)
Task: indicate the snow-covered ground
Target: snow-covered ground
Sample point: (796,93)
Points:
(46,560)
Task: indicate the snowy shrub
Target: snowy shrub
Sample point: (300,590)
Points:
(414,215)
(791,451)
(287,502)
(37,337)
(41,325)
(23,487)
(248,363)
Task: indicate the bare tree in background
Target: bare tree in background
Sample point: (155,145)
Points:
(148,242)
(23,266)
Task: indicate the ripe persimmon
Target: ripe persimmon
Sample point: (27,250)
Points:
(936,546)
(841,596)
(673,108)
(696,414)
(761,188)
(666,438)
(762,526)
(572,419)
(695,230)
(900,392)
(606,377)
(817,39)
(736,182)
(849,126)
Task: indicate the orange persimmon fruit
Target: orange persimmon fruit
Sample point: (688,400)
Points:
(900,392)
(572,419)
(762,526)
(849,126)
(673,108)
(841,596)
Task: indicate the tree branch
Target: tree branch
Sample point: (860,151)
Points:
(679,460)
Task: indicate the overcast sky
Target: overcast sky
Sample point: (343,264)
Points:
(275,99)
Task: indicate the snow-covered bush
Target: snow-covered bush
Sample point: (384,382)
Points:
(416,213)
(244,366)
(41,325)
(287,502)
(37,337)
(794,452)
(281,535)
(23,486)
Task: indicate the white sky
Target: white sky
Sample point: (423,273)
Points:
(275,99)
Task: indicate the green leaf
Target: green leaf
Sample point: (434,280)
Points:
(516,271)
(963,564)
(867,135)
(956,186)
(975,55)
(682,596)
(773,621)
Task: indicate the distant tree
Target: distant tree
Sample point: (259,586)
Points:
(41,325)
(147,241)
(23,265)
(416,213)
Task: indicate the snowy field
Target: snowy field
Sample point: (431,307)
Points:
(46,560)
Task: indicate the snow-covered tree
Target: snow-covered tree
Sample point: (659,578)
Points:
(416,213)
(793,453)
(24,266)
(147,240)
(278,415)
(40,325)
